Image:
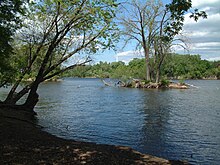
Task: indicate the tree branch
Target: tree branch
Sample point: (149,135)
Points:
(65,69)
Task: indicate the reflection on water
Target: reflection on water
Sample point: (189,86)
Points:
(174,124)
(156,109)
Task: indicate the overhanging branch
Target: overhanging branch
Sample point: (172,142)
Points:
(65,69)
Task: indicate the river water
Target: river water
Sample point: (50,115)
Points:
(173,124)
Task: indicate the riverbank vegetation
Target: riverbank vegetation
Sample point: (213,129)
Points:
(155,28)
(175,66)
(52,33)
(56,36)
(39,38)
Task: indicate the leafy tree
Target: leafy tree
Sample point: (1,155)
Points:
(188,67)
(154,26)
(136,68)
(9,22)
(56,31)
(175,66)
(139,24)
(170,26)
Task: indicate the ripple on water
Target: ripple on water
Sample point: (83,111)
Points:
(174,124)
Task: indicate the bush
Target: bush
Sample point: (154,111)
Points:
(182,81)
(145,82)
(165,82)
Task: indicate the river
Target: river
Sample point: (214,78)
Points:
(173,124)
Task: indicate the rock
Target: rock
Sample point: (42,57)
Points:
(178,86)
(137,85)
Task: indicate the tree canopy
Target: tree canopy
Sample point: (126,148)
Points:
(59,35)
(175,66)
(56,31)
(10,12)
(154,26)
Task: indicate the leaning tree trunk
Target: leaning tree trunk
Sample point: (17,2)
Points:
(33,96)
(10,99)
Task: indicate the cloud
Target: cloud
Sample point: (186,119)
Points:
(130,53)
(214,59)
(204,35)
(127,56)
(126,53)
(205,3)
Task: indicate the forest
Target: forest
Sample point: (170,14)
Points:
(176,66)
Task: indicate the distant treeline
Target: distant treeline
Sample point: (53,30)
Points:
(175,67)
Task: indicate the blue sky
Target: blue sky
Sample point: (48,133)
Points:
(203,37)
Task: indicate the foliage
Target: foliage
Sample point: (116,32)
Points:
(165,82)
(57,31)
(189,67)
(181,81)
(9,22)
(154,26)
(175,66)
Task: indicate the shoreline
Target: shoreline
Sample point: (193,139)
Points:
(24,142)
(171,79)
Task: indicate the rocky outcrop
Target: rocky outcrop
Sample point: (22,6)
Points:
(136,83)
(178,86)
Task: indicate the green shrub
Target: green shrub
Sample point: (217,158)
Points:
(165,82)
(145,82)
(182,81)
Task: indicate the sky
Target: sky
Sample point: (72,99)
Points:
(203,36)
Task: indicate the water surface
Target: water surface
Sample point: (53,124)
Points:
(173,124)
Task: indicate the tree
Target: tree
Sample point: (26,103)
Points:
(170,26)
(154,26)
(139,24)
(9,22)
(56,31)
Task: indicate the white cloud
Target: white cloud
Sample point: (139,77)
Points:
(202,3)
(213,59)
(127,56)
(204,35)
(208,44)
(126,53)
(199,3)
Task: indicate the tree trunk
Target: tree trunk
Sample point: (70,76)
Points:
(158,75)
(32,98)
(147,59)
(12,94)
(31,101)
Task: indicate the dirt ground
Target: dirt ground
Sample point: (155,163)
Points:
(23,142)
